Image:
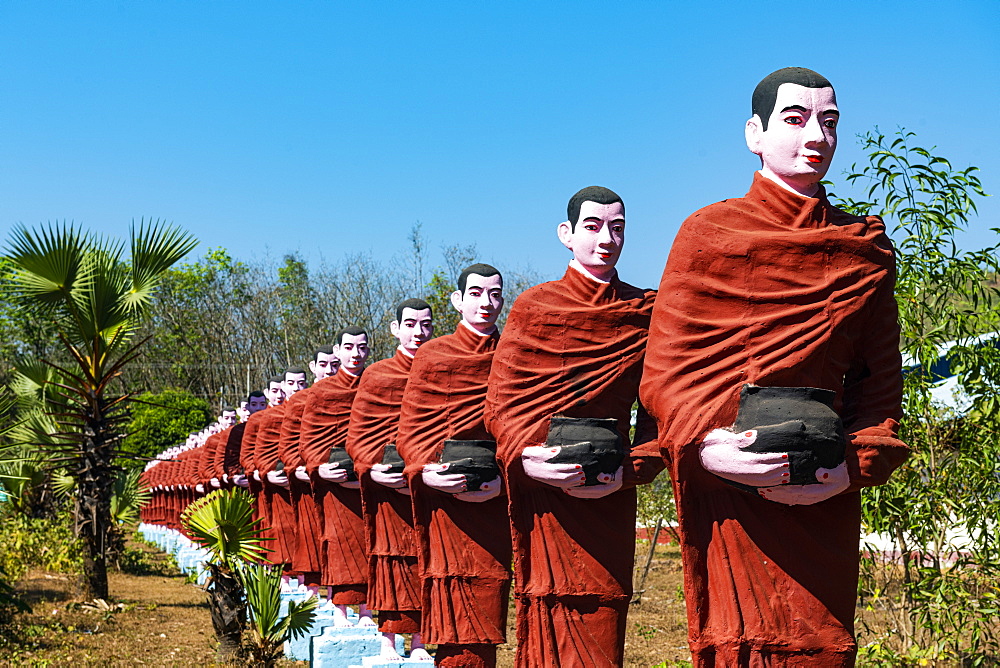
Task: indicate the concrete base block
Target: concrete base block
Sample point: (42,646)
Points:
(348,646)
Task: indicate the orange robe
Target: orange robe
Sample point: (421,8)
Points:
(572,347)
(307,526)
(464,547)
(393,581)
(778,290)
(343,559)
(276,499)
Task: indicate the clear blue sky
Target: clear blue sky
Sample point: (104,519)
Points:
(331,128)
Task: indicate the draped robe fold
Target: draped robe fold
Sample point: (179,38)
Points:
(572,347)
(276,499)
(248,463)
(343,558)
(464,548)
(304,518)
(393,581)
(773,289)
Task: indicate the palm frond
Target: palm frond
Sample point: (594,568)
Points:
(128,496)
(155,248)
(223,523)
(48,265)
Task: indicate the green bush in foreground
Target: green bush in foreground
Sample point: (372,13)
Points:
(38,543)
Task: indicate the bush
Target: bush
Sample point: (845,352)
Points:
(45,543)
(163,420)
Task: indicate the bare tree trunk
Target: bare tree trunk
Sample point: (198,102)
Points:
(229,613)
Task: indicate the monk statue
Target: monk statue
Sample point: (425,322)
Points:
(336,494)
(393,581)
(460,513)
(564,381)
(773,373)
(229,468)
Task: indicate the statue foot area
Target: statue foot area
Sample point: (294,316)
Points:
(388,649)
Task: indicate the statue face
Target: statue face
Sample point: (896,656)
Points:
(481,303)
(598,237)
(352,352)
(324,365)
(256,404)
(243,412)
(274,394)
(801,137)
(227,419)
(414,328)
(293,383)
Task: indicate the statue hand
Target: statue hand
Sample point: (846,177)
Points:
(610,483)
(225,477)
(214,482)
(721,453)
(301,473)
(241,480)
(488,490)
(256,475)
(199,488)
(277,478)
(393,480)
(434,476)
(332,472)
(535,460)
(832,482)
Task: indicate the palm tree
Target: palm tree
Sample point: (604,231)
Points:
(95,294)
(268,629)
(222,522)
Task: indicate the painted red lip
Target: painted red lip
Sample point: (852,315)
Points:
(814,158)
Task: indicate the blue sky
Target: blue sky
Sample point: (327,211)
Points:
(331,128)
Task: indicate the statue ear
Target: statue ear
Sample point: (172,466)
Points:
(565,232)
(394,328)
(752,132)
(456,300)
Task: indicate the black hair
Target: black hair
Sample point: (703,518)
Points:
(353,330)
(595,194)
(291,370)
(256,394)
(326,350)
(226,408)
(279,378)
(415,304)
(479,269)
(766,92)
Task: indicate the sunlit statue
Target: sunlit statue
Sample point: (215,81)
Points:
(336,491)
(460,513)
(564,380)
(773,372)
(393,581)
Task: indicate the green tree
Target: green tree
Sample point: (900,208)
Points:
(95,291)
(162,420)
(942,506)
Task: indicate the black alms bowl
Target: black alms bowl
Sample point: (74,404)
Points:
(476,460)
(593,443)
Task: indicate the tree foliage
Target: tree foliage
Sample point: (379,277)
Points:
(941,508)
(162,420)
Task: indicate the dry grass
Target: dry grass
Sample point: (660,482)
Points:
(163,621)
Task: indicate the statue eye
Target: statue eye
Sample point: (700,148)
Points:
(830,123)
(794,120)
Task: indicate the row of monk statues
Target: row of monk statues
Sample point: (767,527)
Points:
(763,375)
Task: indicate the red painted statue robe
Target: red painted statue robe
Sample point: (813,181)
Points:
(572,347)
(773,289)
(343,559)
(305,557)
(464,547)
(393,581)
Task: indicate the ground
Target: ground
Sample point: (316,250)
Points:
(158,619)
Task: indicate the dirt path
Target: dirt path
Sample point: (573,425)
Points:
(160,620)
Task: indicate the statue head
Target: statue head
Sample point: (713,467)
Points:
(479,297)
(324,362)
(351,349)
(227,418)
(243,412)
(413,324)
(256,401)
(595,230)
(274,393)
(794,128)
(293,380)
